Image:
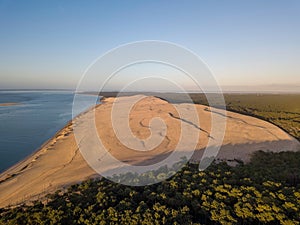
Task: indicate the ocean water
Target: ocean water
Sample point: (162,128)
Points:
(25,127)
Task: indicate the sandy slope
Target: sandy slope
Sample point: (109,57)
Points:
(60,163)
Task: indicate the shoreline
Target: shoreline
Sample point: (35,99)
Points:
(20,169)
(58,162)
(6,171)
(40,148)
(70,123)
(9,104)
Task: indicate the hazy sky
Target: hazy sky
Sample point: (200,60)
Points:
(49,44)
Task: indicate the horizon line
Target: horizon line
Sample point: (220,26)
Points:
(161,91)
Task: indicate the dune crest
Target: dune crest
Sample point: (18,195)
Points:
(59,162)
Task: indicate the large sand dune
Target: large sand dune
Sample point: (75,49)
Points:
(60,163)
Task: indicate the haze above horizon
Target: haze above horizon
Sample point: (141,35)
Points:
(249,46)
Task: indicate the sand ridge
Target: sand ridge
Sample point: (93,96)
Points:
(60,163)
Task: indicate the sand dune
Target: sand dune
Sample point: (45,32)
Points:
(60,163)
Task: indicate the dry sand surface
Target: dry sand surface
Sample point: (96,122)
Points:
(60,163)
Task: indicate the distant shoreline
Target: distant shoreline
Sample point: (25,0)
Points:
(10,104)
(130,93)
(224,91)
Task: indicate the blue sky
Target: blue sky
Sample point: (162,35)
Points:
(247,44)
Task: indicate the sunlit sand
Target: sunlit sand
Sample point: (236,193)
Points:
(59,162)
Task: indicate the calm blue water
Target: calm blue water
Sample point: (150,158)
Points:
(25,127)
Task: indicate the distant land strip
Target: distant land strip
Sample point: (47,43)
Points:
(9,104)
